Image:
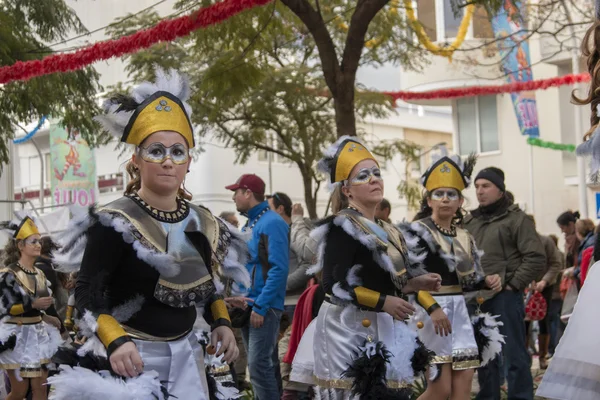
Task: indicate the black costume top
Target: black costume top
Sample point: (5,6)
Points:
(144,271)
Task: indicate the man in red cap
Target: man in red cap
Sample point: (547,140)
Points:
(268,266)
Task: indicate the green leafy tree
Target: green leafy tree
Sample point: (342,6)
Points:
(259,78)
(26,28)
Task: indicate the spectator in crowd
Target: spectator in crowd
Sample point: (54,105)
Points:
(584,231)
(303,254)
(268,267)
(566,222)
(512,249)
(589,257)
(556,325)
(230,217)
(545,285)
(383,211)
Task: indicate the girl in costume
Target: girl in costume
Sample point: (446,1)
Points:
(362,348)
(29,327)
(147,260)
(450,251)
(574,371)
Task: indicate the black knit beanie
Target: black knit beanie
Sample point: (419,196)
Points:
(494,175)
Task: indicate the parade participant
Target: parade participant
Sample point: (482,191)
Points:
(148,260)
(451,252)
(29,334)
(362,348)
(574,372)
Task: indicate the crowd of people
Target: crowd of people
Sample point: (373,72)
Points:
(153,296)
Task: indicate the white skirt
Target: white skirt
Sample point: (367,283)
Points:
(574,372)
(179,364)
(331,342)
(35,346)
(459,348)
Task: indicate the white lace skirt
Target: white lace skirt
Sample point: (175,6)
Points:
(35,346)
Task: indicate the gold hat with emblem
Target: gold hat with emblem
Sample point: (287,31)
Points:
(342,156)
(449,172)
(149,108)
(25,229)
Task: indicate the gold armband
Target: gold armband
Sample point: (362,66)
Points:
(367,297)
(426,300)
(109,329)
(219,310)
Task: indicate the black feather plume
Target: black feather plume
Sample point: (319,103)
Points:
(212,385)
(481,339)
(9,344)
(469,165)
(125,102)
(421,358)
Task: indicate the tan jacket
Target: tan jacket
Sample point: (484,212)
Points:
(554,262)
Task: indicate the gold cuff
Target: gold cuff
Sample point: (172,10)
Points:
(367,297)
(219,310)
(69,312)
(17,309)
(109,329)
(425,299)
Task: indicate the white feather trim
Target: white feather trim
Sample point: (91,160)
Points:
(341,293)
(92,345)
(124,312)
(84,384)
(402,349)
(88,325)
(353,279)
(226,393)
(319,235)
(491,330)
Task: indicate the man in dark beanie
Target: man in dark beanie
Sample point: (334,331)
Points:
(511,248)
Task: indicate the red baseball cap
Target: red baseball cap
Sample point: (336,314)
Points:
(248,181)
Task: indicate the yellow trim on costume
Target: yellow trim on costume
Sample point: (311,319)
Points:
(109,329)
(26,229)
(219,310)
(17,309)
(425,299)
(351,154)
(446,51)
(24,320)
(162,114)
(445,175)
(367,297)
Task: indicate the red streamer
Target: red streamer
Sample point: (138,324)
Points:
(167,30)
(515,87)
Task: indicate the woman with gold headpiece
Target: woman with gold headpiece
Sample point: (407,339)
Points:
(29,328)
(362,348)
(148,261)
(449,251)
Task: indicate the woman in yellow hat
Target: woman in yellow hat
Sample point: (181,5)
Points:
(362,348)
(149,261)
(29,328)
(450,251)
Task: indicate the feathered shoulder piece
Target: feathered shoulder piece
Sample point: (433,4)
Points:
(341,157)
(449,171)
(150,107)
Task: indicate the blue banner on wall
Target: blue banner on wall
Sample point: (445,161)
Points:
(516,64)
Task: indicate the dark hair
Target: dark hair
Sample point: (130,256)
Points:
(48,246)
(567,217)
(226,214)
(384,205)
(590,48)
(426,211)
(282,199)
(511,198)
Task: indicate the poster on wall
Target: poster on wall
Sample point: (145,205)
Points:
(516,64)
(73,168)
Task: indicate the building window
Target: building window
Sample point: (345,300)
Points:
(477,119)
(451,21)
(441,24)
(426,16)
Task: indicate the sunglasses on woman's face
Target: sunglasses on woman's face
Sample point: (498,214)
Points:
(439,195)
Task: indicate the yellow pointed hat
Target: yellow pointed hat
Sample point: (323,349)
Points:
(26,228)
(444,173)
(342,156)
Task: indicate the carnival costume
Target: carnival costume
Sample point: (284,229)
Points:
(143,271)
(357,351)
(453,255)
(27,343)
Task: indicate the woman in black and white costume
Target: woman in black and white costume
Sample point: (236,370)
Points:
(450,251)
(362,348)
(147,260)
(29,325)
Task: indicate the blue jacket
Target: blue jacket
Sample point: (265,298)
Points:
(269,243)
